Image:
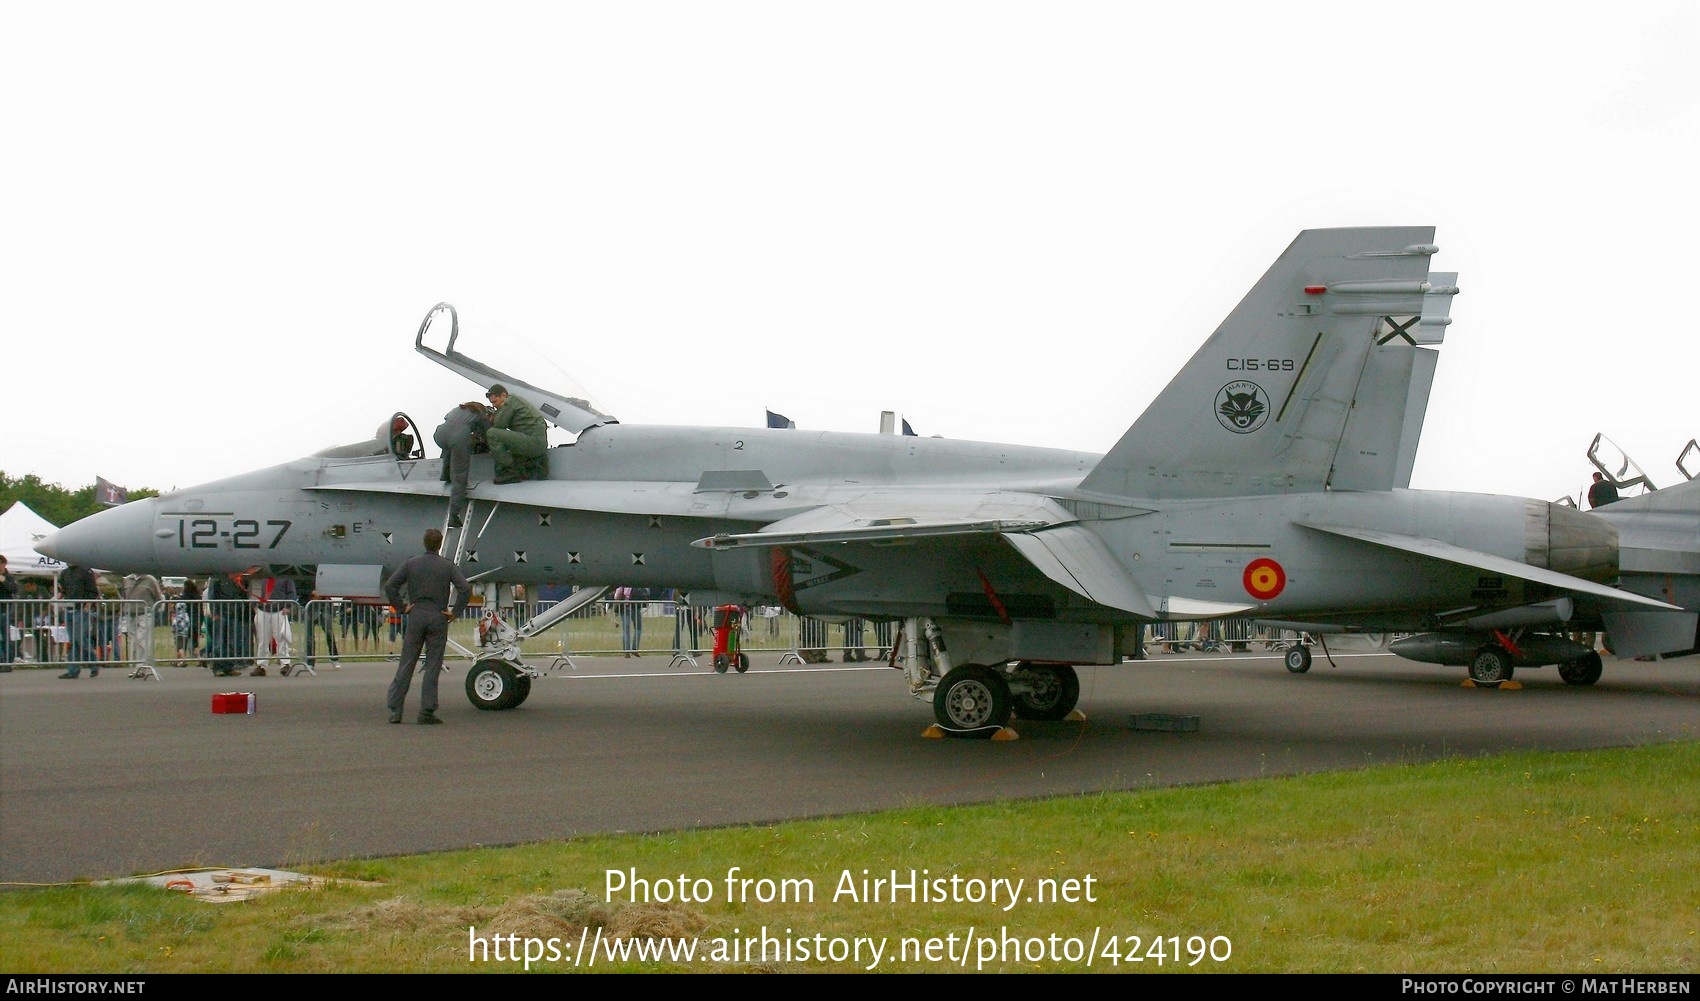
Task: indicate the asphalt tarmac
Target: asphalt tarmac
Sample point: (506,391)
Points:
(111,776)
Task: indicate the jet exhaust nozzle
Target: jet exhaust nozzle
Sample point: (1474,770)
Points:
(1572,542)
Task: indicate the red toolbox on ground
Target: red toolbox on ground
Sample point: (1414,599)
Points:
(233,702)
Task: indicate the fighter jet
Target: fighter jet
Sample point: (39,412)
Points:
(1658,557)
(1268,479)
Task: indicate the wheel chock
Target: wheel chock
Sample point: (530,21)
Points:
(1510,686)
(937,732)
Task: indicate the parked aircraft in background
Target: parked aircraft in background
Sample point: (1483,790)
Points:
(1658,556)
(1267,479)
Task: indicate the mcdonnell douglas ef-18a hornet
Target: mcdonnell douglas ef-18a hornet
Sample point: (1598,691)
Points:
(1268,480)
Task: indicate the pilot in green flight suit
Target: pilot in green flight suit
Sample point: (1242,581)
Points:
(518,437)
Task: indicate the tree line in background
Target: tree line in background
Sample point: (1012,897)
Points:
(52,501)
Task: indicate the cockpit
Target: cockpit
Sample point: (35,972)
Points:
(397,437)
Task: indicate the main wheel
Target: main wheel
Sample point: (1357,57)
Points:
(972,701)
(1584,670)
(1053,690)
(1490,666)
(496,685)
(1297,658)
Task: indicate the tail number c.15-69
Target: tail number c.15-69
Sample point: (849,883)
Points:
(242,533)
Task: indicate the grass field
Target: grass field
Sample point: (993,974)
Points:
(1583,862)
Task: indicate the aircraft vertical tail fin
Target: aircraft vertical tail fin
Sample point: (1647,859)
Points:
(1379,447)
(1264,406)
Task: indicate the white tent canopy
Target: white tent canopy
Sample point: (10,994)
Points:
(20,529)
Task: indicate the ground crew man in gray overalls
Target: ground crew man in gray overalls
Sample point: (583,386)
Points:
(426,577)
(458,436)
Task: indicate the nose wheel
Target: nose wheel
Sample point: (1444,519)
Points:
(496,685)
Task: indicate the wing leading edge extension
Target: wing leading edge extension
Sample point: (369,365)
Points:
(895,517)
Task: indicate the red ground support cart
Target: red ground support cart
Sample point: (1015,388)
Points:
(728,627)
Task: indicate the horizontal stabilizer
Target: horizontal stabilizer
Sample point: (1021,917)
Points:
(1435,549)
(1078,560)
(1640,634)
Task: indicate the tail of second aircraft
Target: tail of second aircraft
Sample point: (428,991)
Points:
(1301,388)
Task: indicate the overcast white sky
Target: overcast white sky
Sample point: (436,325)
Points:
(1012,222)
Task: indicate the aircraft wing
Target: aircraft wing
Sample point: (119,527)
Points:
(1435,549)
(1038,528)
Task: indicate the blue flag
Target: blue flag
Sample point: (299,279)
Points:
(779,421)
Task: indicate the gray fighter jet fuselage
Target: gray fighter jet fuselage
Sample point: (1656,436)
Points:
(1190,556)
(1267,480)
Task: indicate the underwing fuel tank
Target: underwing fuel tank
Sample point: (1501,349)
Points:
(1458,649)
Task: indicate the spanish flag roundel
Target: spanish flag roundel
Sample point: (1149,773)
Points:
(1264,579)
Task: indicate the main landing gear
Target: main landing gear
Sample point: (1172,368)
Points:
(1584,670)
(972,701)
(978,698)
(1490,666)
(1297,658)
(977,701)
(1051,691)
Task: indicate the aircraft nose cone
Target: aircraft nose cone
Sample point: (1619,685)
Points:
(120,539)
